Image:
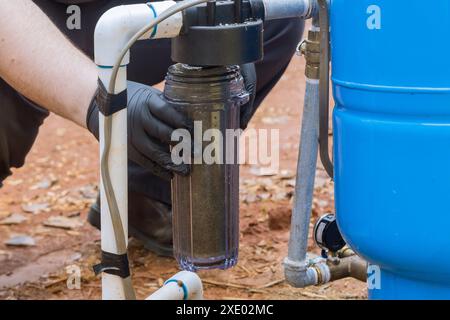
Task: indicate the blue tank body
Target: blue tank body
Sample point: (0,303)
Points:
(391,85)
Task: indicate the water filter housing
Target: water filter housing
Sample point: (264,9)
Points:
(206,203)
(391,84)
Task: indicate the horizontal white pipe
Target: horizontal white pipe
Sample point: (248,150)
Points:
(183,286)
(119,24)
(170,291)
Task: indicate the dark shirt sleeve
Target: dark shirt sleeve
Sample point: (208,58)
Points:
(19,126)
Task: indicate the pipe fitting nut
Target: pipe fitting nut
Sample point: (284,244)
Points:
(310,48)
(306,273)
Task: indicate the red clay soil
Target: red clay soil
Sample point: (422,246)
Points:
(60,178)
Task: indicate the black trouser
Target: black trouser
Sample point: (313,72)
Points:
(20,121)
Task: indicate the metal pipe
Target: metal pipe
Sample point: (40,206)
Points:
(301,271)
(306,173)
(282,9)
(352,266)
(296,265)
(311,272)
(317,271)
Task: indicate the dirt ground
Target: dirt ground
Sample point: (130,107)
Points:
(60,180)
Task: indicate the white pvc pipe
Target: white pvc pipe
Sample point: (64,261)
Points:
(114,29)
(119,24)
(183,286)
(118,167)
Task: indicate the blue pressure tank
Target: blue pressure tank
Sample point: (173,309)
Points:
(391,84)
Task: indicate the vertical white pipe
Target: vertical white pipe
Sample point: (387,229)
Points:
(118,168)
(114,29)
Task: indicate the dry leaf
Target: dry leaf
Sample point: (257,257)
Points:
(89,192)
(251,198)
(73,214)
(35,208)
(320,182)
(287,174)
(44,184)
(280,196)
(15,218)
(14,183)
(275,120)
(63,223)
(21,241)
(290,183)
(264,196)
(263,171)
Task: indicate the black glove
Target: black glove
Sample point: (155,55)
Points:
(248,71)
(151,121)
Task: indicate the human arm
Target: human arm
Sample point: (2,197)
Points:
(39,62)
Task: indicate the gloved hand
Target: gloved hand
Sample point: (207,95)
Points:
(248,71)
(151,121)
